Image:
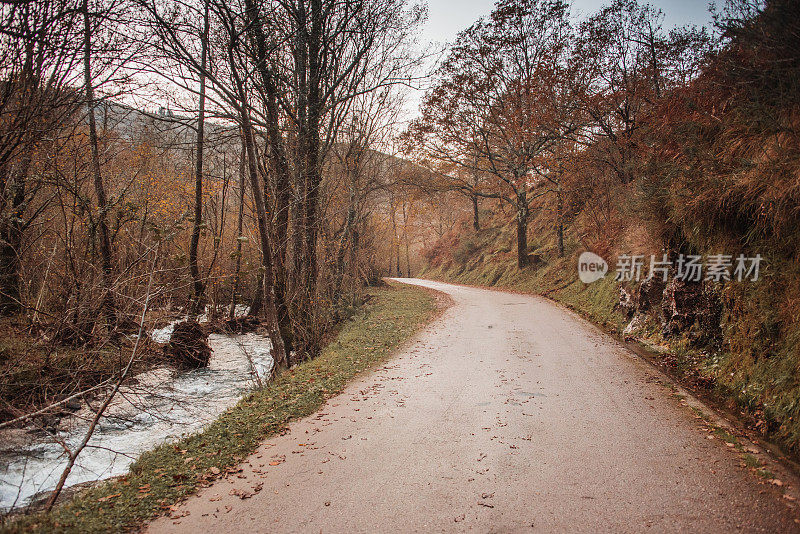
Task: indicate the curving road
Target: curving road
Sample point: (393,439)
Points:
(507,414)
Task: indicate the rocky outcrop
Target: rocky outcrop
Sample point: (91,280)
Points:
(648,295)
(686,308)
(626,302)
(637,323)
(693,308)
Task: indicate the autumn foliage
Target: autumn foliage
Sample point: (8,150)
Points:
(680,142)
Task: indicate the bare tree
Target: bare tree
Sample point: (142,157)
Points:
(491,111)
(108,307)
(38,60)
(198,285)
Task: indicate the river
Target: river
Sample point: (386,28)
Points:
(158,406)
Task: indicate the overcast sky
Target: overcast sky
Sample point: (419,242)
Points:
(447,17)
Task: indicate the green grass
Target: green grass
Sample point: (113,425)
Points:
(486,259)
(726,436)
(751,461)
(171,472)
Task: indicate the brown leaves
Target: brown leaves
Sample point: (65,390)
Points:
(244,494)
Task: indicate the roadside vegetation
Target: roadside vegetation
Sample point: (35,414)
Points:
(243,164)
(643,142)
(169,473)
(203,165)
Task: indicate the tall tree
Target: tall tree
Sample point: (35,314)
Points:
(630,61)
(198,285)
(108,307)
(492,109)
(39,56)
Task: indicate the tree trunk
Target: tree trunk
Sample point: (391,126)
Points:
(344,240)
(198,287)
(310,145)
(298,223)
(237,269)
(522,230)
(278,347)
(10,294)
(107,301)
(397,271)
(11,241)
(405,240)
(312,139)
(299,212)
(475,221)
(258,299)
(408,259)
(560,220)
(279,163)
(12,225)
(279,239)
(396,239)
(273,327)
(306,51)
(354,244)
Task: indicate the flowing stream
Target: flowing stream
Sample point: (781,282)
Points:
(158,406)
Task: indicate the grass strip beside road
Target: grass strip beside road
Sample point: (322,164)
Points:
(164,476)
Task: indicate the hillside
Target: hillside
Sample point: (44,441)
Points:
(694,180)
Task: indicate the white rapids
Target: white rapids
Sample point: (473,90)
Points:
(156,407)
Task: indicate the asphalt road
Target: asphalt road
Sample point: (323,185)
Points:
(507,414)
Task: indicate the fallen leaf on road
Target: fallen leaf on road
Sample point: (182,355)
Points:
(242,494)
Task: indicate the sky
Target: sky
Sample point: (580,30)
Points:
(447,17)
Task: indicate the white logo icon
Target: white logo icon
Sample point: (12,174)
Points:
(591,267)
